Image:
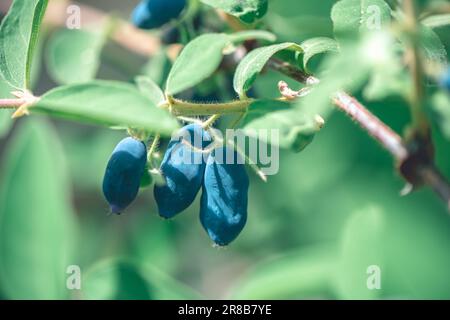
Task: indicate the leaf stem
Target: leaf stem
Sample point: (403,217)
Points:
(185,108)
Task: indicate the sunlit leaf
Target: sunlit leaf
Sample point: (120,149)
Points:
(18,38)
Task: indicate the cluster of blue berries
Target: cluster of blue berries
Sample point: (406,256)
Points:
(150,14)
(187,167)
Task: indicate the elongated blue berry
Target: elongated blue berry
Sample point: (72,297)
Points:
(151,14)
(182,167)
(223,210)
(123,173)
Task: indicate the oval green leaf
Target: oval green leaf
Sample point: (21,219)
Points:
(198,60)
(106,103)
(18,38)
(315,46)
(73,56)
(254,62)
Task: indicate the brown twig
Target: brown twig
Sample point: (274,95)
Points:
(386,137)
(377,129)
(12,103)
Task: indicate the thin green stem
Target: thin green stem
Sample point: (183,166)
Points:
(153,147)
(185,108)
(208,123)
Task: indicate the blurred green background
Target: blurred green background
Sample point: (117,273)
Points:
(313,229)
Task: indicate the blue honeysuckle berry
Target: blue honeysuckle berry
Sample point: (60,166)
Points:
(182,167)
(223,208)
(123,173)
(150,14)
(444,81)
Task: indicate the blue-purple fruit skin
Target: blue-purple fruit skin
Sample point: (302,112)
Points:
(150,14)
(223,208)
(123,173)
(183,180)
(444,81)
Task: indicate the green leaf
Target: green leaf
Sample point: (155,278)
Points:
(121,279)
(247,11)
(5,115)
(252,35)
(347,71)
(295,131)
(106,103)
(116,280)
(353,16)
(432,46)
(198,60)
(295,275)
(437,21)
(37,225)
(73,56)
(149,88)
(249,68)
(315,46)
(18,38)
(5,122)
(361,248)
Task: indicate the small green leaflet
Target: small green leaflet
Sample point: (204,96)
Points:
(73,56)
(253,64)
(106,103)
(18,38)
(437,21)
(148,87)
(247,11)
(351,16)
(198,60)
(295,131)
(315,46)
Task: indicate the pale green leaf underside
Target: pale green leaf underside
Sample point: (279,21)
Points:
(198,60)
(432,46)
(302,274)
(18,37)
(350,16)
(315,46)
(73,56)
(5,115)
(253,64)
(295,131)
(37,221)
(437,21)
(106,103)
(148,87)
